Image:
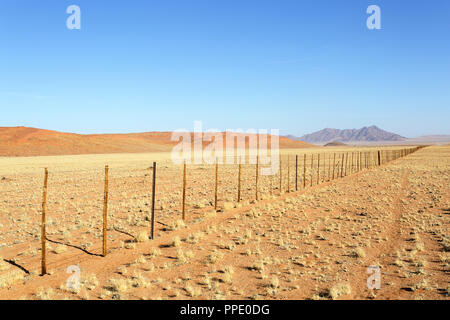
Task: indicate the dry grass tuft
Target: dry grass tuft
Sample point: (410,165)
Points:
(339,290)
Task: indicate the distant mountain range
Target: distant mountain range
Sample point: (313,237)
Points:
(366,134)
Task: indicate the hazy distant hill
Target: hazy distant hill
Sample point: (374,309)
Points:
(22,141)
(372,133)
(335,144)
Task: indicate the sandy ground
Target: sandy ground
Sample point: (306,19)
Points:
(311,244)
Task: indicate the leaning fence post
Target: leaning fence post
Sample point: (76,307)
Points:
(184,192)
(153,201)
(105,209)
(43,226)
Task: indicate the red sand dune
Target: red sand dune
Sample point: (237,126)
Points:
(23,141)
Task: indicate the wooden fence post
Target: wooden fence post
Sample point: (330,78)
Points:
(379,157)
(329,167)
(239,179)
(342,165)
(318,168)
(105,210)
(271,184)
(296,172)
(153,201)
(217,185)
(304,171)
(334,164)
(281,176)
(346,164)
(358,160)
(184,192)
(257,176)
(352,168)
(288,174)
(43,226)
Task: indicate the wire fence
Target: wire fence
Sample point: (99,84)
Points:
(137,206)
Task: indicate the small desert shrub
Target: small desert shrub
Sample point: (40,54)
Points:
(175,225)
(228,206)
(214,257)
(181,256)
(60,249)
(193,291)
(122,270)
(226,245)
(154,252)
(338,290)
(257,265)
(420,285)
(228,272)
(227,278)
(193,238)
(139,281)
(3,265)
(211,214)
(130,245)
(358,253)
(118,285)
(44,294)
(141,260)
(142,236)
(90,281)
(274,283)
(420,246)
(11,278)
(176,242)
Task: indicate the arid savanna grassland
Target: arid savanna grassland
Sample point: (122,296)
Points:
(314,243)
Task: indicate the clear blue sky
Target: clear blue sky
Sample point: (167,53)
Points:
(298,66)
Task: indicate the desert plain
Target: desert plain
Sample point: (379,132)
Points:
(311,239)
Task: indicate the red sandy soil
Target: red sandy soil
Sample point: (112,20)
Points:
(316,243)
(23,141)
